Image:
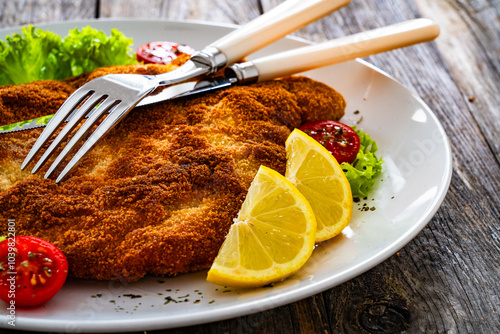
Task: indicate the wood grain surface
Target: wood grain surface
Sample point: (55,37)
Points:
(446,280)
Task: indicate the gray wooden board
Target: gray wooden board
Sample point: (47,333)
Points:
(446,280)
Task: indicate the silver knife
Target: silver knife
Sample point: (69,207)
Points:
(287,63)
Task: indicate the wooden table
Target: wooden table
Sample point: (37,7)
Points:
(447,280)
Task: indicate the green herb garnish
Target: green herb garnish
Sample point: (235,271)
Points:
(364,170)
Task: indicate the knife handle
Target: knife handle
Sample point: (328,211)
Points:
(345,48)
(289,16)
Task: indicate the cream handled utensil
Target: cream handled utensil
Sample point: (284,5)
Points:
(275,24)
(336,51)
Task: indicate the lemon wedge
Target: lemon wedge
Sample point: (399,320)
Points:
(272,237)
(319,177)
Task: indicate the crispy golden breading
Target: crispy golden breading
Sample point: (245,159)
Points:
(159,193)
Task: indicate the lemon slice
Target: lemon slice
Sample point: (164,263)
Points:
(319,177)
(272,237)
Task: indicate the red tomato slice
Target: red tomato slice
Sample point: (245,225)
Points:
(161,52)
(339,139)
(32,271)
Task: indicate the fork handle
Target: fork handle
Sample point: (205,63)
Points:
(289,16)
(345,48)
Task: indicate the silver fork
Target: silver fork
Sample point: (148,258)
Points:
(118,94)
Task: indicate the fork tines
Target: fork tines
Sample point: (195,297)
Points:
(92,103)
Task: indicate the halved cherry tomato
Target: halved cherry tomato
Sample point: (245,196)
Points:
(339,139)
(161,52)
(32,270)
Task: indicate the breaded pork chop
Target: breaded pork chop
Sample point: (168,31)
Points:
(159,193)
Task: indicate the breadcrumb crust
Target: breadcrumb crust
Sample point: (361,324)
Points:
(159,193)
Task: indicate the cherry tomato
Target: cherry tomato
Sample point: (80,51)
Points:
(339,139)
(161,52)
(32,271)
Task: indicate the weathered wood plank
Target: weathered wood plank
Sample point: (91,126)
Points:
(473,30)
(219,11)
(446,279)
(18,13)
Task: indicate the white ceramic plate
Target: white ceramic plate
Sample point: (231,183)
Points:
(416,176)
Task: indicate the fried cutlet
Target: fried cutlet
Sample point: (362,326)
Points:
(158,194)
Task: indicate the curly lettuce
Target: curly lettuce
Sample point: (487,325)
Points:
(27,57)
(36,54)
(87,49)
(365,169)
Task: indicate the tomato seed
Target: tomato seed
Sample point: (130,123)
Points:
(33,280)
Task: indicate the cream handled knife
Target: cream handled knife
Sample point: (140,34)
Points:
(290,62)
(338,50)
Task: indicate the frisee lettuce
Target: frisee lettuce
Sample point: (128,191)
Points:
(364,170)
(42,55)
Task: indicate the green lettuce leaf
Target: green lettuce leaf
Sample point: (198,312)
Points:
(41,55)
(363,172)
(88,49)
(25,58)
